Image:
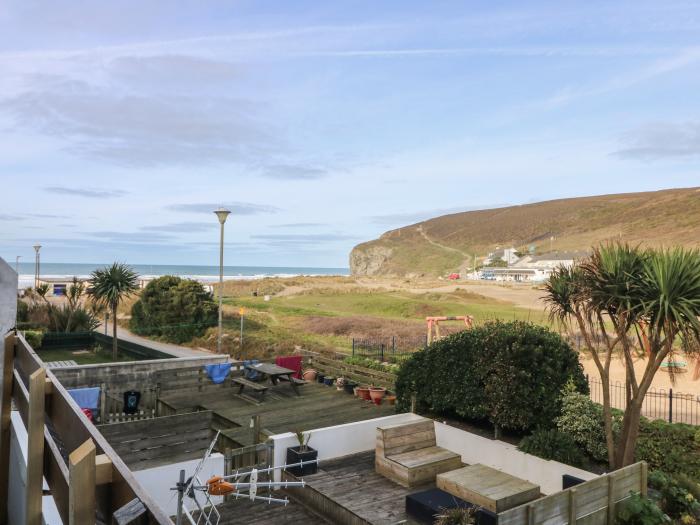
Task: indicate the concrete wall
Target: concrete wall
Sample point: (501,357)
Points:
(353,438)
(337,441)
(158,481)
(8,301)
(506,457)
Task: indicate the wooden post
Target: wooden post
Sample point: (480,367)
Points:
(611,500)
(255,425)
(643,479)
(35,447)
(104,418)
(413,403)
(81,485)
(5,411)
(228,467)
(572,506)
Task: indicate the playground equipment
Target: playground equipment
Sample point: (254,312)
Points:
(434,325)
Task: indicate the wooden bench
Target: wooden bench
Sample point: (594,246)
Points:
(408,455)
(242,383)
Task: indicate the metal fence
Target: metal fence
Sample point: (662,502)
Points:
(392,349)
(674,407)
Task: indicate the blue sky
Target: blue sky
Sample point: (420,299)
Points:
(323,124)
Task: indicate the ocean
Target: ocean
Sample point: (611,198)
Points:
(199,273)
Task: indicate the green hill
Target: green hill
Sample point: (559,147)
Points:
(450,243)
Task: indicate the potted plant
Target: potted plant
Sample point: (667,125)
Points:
(340,384)
(320,377)
(350,386)
(309,375)
(390,398)
(302,452)
(376,394)
(328,381)
(363,392)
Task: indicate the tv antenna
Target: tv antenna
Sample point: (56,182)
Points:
(242,484)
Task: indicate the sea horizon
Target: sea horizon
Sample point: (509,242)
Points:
(203,273)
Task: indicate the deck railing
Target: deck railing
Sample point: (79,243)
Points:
(86,477)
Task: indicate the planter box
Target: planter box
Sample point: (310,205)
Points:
(294,456)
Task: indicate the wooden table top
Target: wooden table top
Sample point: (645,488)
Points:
(487,487)
(270,369)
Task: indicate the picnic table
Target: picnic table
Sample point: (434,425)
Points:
(277,373)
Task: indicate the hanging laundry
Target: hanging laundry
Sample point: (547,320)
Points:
(218,372)
(131,401)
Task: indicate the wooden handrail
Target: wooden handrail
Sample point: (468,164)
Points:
(113,483)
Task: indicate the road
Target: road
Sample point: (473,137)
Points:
(168,348)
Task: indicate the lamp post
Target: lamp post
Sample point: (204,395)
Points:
(222,214)
(37,268)
(17,258)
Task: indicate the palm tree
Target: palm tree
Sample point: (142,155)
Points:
(109,286)
(648,296)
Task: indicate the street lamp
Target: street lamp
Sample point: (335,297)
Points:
(17,258)
(222,214)
(37,268)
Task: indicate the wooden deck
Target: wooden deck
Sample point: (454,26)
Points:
(260,513)
(281,410)
(348,490)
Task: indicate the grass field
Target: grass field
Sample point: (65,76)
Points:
(91,358)
(325,314)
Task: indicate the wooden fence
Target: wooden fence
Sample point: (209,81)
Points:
(593,502)
(337,367)
(172,439)
(86,477)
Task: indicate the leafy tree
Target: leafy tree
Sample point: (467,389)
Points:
(109,286)
(623,300)
(173,308)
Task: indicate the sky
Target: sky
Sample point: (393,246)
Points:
(322,124)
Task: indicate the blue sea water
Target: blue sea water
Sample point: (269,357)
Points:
(201,273)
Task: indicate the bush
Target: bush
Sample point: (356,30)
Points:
(34,338)
(582,419)
(669,447)
(675,498)
(638,510)
(555,445)
(22,311)
(510,373)
(173,308)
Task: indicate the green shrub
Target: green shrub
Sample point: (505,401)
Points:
(555,445)
(582,419)
(173,308)
(669,447)
(391,368)
(675,498)
(510,373)
(638,510)
(34,338)
(22,311)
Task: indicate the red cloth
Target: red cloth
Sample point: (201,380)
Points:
(87,412)
(293,362)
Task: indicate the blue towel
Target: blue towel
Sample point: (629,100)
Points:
(218,372)
(251,373)
(86,397)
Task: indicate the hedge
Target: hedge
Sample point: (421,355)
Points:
(509,373)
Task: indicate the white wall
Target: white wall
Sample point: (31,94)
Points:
(158,481)
(337,441)
(18,478)
(506,457)
(353,438)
